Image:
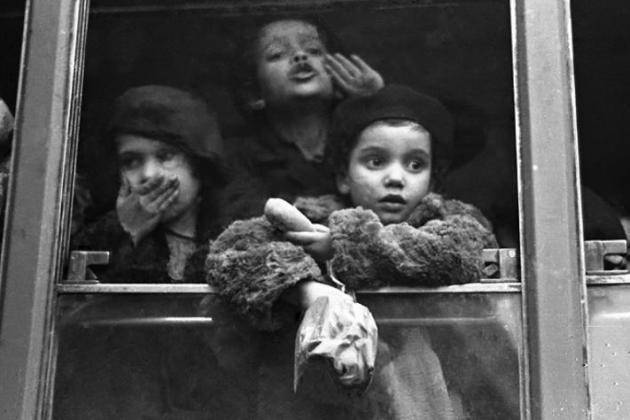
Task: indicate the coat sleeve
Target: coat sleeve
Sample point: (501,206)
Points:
(446,249)
(128,263)
(251,266)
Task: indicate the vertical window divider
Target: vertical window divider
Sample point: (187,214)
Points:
(47,118)
(552,259)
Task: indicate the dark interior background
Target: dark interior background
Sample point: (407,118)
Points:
(459,51)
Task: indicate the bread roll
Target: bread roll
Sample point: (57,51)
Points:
(286,217)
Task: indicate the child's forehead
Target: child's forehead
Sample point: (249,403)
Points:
(284,29)
(140,144)
(395,124)
(400,134)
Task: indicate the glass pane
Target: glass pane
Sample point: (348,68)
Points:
(602,53)
(11,21)
(128,356)
(185,356)
(609,350)
(458,52)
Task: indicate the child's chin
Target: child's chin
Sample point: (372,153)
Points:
(389,218)
(313,88)
(171,213)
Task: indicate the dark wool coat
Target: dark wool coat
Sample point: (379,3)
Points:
(251,266)
(264,166)
(138,372)
(143,263)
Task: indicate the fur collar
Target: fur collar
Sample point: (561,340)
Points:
(432,206)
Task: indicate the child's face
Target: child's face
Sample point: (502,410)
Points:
(389,170)
(142,159)
(291,63)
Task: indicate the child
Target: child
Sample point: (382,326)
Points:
(169,155)
(389,151)
(287,83)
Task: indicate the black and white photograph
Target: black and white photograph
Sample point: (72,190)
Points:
(314,209)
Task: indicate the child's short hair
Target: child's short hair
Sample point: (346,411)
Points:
(393,102)
(244,76)
(175,117)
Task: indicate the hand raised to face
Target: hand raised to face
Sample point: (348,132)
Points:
(140,209)
(353,76)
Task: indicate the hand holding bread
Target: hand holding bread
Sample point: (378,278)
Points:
(286,217)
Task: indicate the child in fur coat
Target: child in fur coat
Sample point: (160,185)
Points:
(386,227)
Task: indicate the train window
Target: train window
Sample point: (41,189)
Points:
(155,56)
(97,328)
(602,130)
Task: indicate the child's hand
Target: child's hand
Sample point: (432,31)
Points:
(140,210)
(317,243)
(356,77)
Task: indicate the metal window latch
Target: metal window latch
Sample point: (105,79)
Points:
(500,265)
(78,269)
(595,253)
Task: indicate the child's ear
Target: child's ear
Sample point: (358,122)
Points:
(343,185)
(256,104)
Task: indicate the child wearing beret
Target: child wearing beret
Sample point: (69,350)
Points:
(386,227)
(168,150)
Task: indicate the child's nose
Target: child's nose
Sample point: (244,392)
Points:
(395,177)
(300,55)
(150,169)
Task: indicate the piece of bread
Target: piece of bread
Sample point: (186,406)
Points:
(286,217)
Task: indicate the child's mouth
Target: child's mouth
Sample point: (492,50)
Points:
(303,75)
(301,72)
(392,202)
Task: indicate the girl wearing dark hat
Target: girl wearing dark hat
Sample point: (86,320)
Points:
(169,153)
(389,151)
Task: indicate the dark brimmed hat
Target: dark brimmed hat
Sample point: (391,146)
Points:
(170,115)
(391,102)
(173,116)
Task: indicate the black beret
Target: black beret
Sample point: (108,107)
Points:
(170,115)
(392,102)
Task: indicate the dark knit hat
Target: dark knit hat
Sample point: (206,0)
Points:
(391,102)
(170,115)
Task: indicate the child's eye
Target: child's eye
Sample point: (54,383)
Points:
(166,155)
(314,50)
(273,55)
(129,162)
(416,165)
(374,162)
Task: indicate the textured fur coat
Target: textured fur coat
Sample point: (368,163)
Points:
(251,265)
(441,243)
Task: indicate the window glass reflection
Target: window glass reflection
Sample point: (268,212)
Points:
(203,114)
(188,356)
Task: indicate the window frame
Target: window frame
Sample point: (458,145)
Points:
(552,255)
(551,244)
